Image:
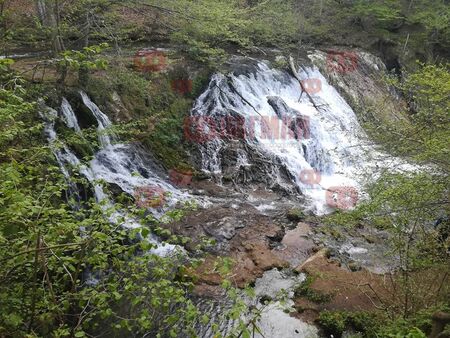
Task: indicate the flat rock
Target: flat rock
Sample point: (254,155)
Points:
(295,246)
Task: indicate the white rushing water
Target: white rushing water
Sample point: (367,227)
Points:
(69,115)
(324,148)
(104,136)
(120,164)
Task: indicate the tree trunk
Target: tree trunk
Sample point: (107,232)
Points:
(48,12)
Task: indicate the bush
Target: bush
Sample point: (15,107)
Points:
(333,323)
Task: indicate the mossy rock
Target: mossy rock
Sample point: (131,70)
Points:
(333,323)
(295,215)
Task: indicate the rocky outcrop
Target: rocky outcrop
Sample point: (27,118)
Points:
(296,246)
(338,288)
(358,76)
(240,233)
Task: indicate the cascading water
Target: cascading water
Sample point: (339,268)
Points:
(120,164)
(102,121)
(69,116)
(320,143)
(124,165)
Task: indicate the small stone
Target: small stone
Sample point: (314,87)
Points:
(353,266)
(295,215)
(332,252)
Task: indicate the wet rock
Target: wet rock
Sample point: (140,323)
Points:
(360,85)
(224,229)
(274,281)
(241,233)
(275,322)
(332,252)
(249,265)
(117,109)
(370,238)
(352,245)
(115,189)
(295,246)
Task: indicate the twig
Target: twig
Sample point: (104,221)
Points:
(38,249)
(64,266)
(33,296)
(239,94)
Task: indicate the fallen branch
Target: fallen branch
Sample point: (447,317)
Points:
(294,73)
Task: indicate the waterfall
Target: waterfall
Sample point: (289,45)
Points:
(120,164)
(102,120)
(69,116)
(321,145)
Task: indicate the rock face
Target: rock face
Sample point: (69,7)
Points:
(260,247)
(274,322)
(295,246)
(358,76)
(241,233)
(345,290)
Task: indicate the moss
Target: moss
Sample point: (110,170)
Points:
(156,113)
(304,290)
(166,136)
(366,324)
(332,231)
(295,215)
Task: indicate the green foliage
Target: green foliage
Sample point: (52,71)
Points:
(152,113)
(385,13)
(434,17)
(46,249)
(295,215)
(86,58)
(71,272)
(425,136)
(82,61)
(409,203)
(209,28)
(369,325)
(400,329)
(333,323)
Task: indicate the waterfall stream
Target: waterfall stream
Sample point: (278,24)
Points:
(321,145)
(121,164)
